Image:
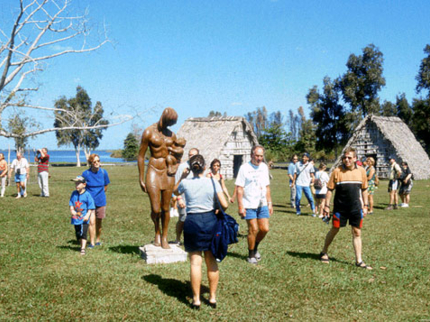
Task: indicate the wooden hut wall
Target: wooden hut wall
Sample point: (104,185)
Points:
(239,143)
(370,141)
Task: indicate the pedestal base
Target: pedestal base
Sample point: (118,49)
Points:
(157,255)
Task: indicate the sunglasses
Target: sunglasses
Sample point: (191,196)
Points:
(349,158)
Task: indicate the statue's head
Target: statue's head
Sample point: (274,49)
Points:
(168,118)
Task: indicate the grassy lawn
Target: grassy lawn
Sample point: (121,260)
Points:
(43,277)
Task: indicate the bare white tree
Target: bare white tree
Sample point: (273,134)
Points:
(42,30)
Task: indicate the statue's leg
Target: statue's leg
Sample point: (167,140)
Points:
(154,197)
(166,195)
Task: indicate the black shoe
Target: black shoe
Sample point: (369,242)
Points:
(212,305)
(195,306)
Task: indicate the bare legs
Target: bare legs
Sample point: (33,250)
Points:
(160,204)
(196,275)
(257,230)
(356,242)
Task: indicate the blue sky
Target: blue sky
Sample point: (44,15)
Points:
(229,56)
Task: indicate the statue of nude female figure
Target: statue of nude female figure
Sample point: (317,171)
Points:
(159,183)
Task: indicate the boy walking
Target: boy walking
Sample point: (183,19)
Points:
(82,208)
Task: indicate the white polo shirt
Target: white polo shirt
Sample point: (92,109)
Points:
(254,181)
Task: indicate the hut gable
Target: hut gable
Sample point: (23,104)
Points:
(228,139)
(382,137)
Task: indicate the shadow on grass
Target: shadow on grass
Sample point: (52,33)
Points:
(174,288)
(232,254)
(126,249)
(314,256)
(75,248)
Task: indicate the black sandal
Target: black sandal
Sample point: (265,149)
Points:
(324,260)
(362,265)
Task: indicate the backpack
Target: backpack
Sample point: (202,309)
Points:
(318,184)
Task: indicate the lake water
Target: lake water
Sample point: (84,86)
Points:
(68,156)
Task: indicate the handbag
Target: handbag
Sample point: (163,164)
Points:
(225,232)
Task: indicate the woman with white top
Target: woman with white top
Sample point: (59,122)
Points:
(321,193)
(199,225)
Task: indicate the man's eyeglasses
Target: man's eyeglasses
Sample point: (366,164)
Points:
(96,161)
(349,158)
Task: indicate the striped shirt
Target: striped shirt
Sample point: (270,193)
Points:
(43,163)
(349,185)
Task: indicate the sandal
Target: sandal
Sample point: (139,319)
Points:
(82,251)
(324,260)
(362,265)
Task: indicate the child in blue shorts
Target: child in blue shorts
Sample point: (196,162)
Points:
(82,208)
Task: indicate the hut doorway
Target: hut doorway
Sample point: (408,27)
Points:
(237,162)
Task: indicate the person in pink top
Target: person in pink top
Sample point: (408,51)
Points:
(3,173)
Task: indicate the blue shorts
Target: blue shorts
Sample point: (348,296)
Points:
(259,213)
(20,177)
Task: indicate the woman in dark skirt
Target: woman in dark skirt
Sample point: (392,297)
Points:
(199,225)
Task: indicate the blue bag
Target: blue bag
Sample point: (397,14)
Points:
(225,232)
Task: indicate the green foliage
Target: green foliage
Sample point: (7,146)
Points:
(131,148)
(421,121)
(423,77)
(388,109)
(216,114)
(78,112)
(19,125)
(116,154)
(404,110)
(50,281)
(363,80)
(329,116)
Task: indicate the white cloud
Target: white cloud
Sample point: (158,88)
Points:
(236,104)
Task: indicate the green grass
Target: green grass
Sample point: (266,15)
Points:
(43,277)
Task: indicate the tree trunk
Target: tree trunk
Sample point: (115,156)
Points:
(87,152)
(78,151)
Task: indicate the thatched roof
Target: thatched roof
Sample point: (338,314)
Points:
(210,134)
(401,143)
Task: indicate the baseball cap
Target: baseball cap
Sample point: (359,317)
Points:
(306,155)
(79,179)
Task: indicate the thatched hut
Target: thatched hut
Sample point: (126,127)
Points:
(228,139)
(381,137)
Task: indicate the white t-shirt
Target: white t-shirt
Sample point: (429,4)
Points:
(323,176)
(254,180)
(21,164)
(303,172)
(179,171)
(199,194)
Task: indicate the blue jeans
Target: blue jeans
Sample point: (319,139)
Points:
(308,194)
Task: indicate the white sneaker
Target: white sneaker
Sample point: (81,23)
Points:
(257,256)
(25,194)
(19,196)
(404,205)
(252,260)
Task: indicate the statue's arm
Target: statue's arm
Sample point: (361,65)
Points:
(141,158)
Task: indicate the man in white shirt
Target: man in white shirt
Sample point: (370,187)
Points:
(22,172)
(254,200)
(303,177)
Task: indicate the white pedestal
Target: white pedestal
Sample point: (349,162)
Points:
(157,255)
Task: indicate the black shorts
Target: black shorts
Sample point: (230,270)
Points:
(81,231)
(341,219)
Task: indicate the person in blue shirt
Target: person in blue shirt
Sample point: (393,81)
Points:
(81,209)
(97,182)
(291,170)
